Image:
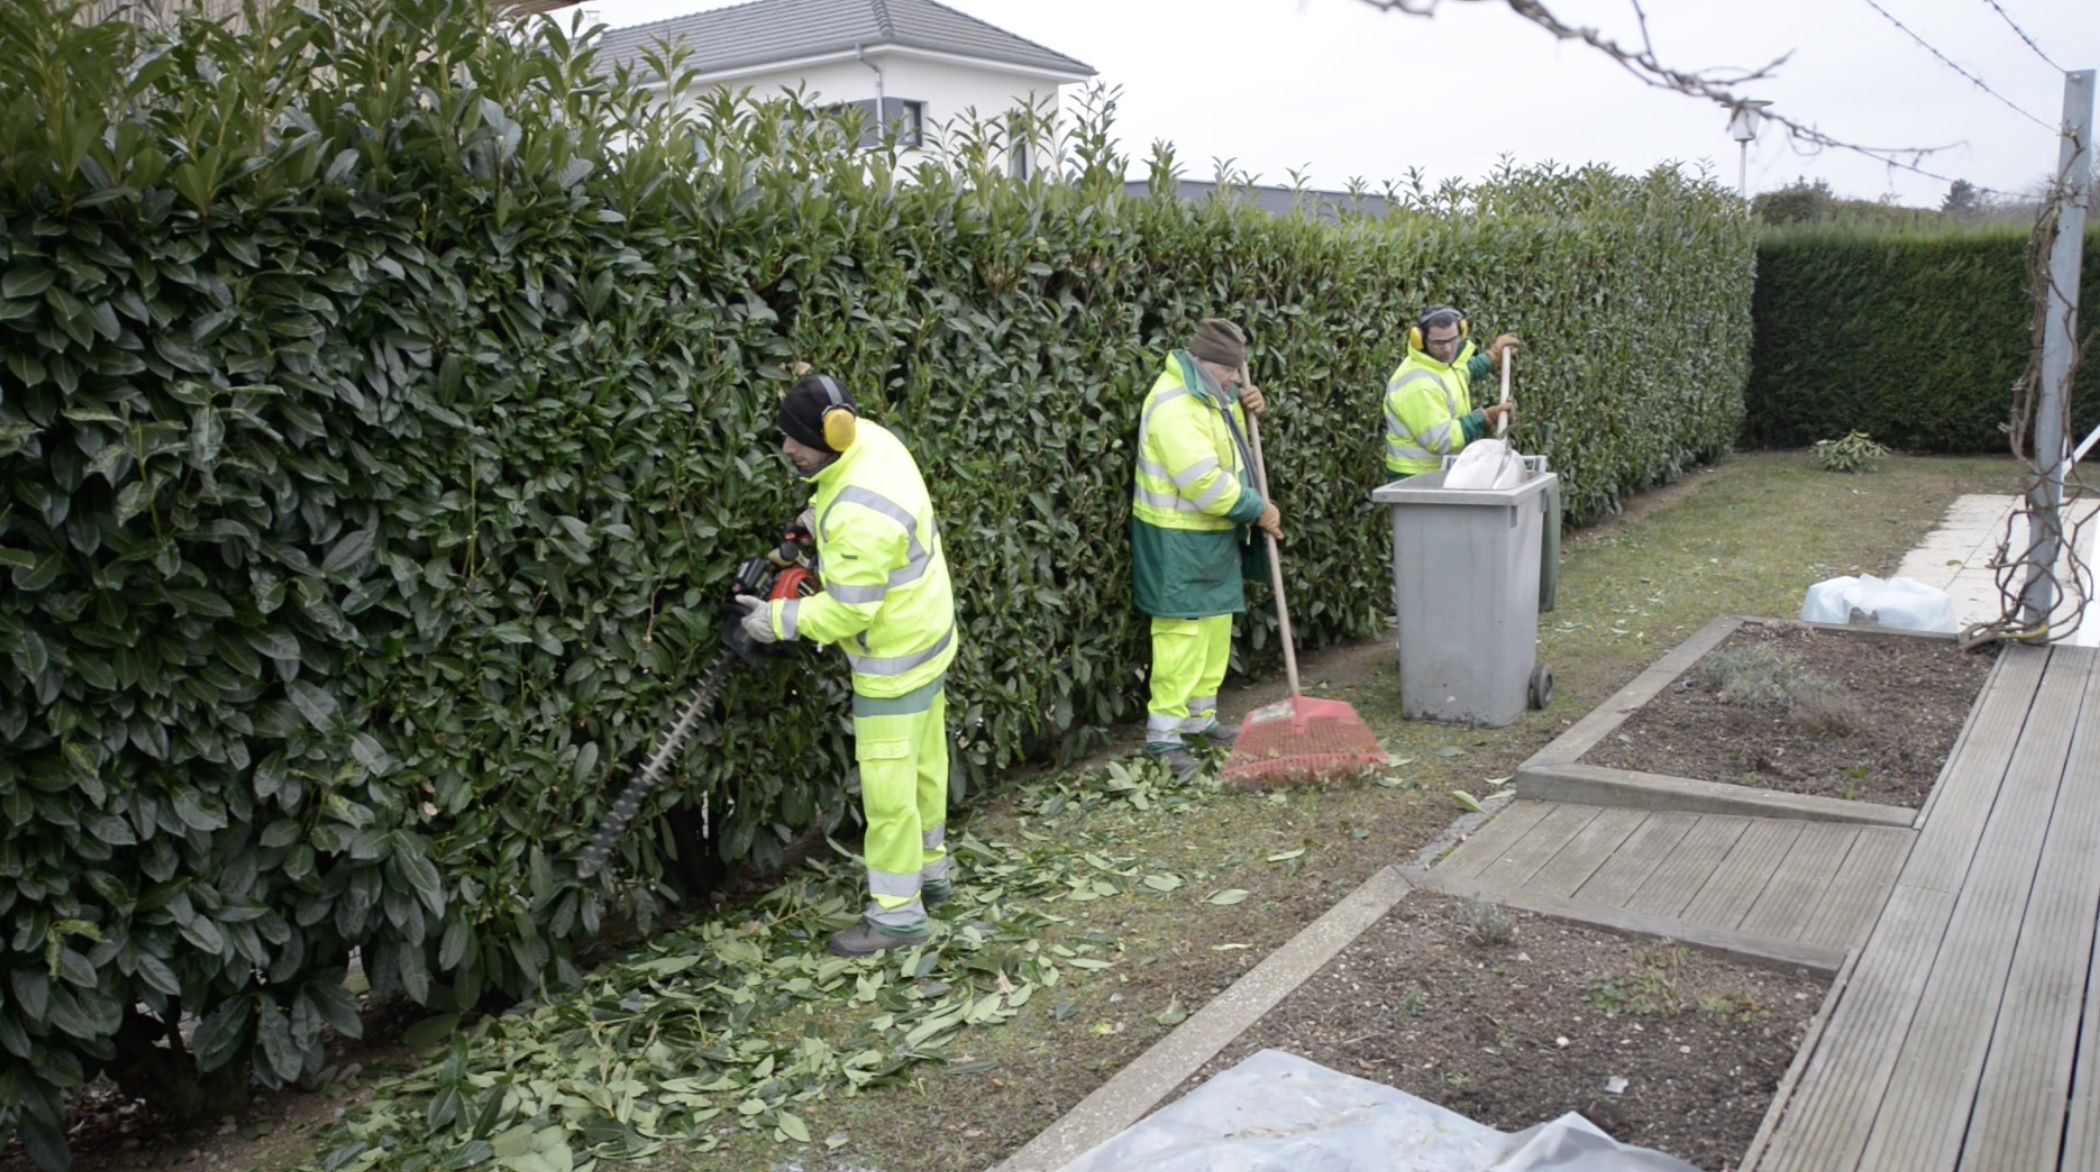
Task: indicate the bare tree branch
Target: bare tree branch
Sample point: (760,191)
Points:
(1717,87)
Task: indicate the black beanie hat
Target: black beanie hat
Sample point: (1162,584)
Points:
(802,410)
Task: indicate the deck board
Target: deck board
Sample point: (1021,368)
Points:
(1690,865)
(1860,888)
(2021,1100)
(1498,834)
(1592,847)
(1926,1112)
(1787,904)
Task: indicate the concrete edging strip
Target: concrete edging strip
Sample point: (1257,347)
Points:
(1153,1075)
(1594,785)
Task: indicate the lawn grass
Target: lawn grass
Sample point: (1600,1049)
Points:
(1746,538)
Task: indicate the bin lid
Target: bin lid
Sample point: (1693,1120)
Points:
(1428,489)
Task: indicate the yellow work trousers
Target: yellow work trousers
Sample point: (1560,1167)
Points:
(1188,666)
(902,747)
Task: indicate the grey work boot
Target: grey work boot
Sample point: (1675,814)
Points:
(1220,735)
(935,892)
(866,939)
(1183,763)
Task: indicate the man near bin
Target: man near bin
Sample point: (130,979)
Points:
(1192,504)
(1429,412)
(887,603)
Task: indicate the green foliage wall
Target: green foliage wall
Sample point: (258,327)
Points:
(1915,339)
(385,400)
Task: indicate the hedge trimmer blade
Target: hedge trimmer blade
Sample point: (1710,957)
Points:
(630,803)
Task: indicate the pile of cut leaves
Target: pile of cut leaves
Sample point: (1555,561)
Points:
(733,1020)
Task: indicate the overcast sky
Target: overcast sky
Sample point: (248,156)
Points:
(1339,89)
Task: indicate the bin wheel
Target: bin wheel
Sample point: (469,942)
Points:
(1541,686)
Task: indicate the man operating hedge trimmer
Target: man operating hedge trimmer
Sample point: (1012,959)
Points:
(887,603)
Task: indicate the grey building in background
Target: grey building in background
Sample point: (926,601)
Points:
(1277,201)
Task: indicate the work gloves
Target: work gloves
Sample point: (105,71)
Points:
(758,619)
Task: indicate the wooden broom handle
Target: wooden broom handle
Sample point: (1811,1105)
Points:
(1283,610)
(1509,357)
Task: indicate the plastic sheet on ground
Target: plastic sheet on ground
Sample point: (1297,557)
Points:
(1277,1111)
(1901,603)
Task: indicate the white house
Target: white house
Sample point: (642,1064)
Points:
(918,63)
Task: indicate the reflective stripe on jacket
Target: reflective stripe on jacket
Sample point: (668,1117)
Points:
(887,601)
(1426,405)
(1191,497)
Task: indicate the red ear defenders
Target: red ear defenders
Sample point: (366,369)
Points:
(1417,338)
(839,418)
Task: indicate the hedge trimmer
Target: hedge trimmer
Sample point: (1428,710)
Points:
(785,573)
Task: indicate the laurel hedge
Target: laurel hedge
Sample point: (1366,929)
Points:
(1914,338)
(385,399)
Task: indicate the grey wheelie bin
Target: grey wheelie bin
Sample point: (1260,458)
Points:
(1469,580)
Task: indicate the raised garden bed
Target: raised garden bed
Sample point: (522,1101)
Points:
(1512,1019)
(1775,718)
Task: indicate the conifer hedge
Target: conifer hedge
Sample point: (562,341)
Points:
(1915,338)
(385,399)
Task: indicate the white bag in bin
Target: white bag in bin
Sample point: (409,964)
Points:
(1486,463)
(1904,604)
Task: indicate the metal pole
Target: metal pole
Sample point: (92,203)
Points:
(2059,325)
(1742,174)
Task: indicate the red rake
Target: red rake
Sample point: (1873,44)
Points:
(1300,739)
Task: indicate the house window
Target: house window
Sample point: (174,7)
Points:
(907,117)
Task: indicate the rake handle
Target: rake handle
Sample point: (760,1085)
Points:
(1283,610)
(1509,358)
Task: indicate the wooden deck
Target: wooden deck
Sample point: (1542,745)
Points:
(1956,1036)
(1959,1039)
(1785,890)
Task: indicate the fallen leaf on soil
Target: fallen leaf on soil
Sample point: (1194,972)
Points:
(1173,1014)
(1228,897)
(1450,751)
(1466,801)
(1283,855)
(1227,947)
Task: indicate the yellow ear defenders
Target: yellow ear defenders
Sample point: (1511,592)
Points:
(1441,316)
(839,418)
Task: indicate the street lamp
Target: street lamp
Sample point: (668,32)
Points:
(1742,126)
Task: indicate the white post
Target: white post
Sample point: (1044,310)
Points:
(2059,326)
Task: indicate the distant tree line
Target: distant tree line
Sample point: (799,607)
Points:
(1964,206)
